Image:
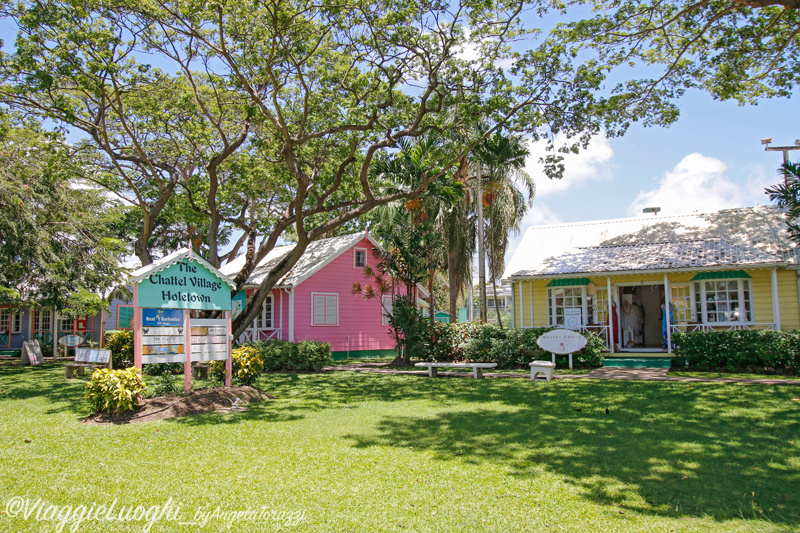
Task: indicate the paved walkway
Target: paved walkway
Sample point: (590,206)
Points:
(641,374)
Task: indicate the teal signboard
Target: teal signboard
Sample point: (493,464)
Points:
(185,284)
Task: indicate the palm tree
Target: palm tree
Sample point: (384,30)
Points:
(507,194)
(406,170)
(787,195)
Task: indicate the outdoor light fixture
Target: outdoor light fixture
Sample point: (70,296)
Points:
(784,149)
(653,210)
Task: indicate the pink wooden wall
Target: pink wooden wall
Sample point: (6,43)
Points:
(360,321)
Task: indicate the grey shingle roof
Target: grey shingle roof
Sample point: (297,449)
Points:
(656,256)
(750,236)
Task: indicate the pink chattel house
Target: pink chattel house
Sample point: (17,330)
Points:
(314,300)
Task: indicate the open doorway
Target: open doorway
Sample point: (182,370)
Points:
(640,317)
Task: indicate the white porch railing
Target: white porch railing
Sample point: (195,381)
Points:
(254,335)
(710,327)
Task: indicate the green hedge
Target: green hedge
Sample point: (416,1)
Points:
(501,345)
(304,355)
(758,350)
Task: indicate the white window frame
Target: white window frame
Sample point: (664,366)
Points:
(551,304)
(10,314)
(692,302)
(325,296)
(263,316)
(596,307)
(36,321)
(387,309)
(355,257)
(703,318)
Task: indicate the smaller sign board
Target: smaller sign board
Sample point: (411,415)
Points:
(162,339)
(561,341)
(31,353)
(92,355)
(162,331)
(71,341)
(162,349)
(572,318)
(162,317)
(210,339)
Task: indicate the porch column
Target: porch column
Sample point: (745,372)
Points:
(530,295)
(610,311)
(776,308)
(667,321)
(513,310)
(522,301)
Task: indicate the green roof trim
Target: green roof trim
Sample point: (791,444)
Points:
(569,282)
(723,274)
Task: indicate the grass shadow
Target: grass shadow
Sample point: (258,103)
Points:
(667,449)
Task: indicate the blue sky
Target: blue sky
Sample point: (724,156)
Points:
(711,159)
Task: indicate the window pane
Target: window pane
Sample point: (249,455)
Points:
(330,309)
(319,309)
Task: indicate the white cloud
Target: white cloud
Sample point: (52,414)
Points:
(700,183)
(592,164)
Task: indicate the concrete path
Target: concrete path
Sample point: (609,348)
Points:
(641,374)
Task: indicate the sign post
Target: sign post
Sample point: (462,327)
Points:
(165,294)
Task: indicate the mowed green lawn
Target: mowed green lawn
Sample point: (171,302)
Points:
(376,452)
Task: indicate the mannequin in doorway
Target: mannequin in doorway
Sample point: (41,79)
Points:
(631,321)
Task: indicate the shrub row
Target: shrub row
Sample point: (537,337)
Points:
(304,355)
(507,347)
(761,350)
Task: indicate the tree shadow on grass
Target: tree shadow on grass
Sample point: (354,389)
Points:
(44,381)
(720,451)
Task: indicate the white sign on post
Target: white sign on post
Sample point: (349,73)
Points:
(562,342)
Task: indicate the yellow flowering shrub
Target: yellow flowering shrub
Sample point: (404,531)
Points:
(115,391)
(247,366)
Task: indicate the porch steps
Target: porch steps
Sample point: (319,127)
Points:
(638,360)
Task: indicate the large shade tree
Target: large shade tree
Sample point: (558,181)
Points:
(734,49)
(266,116)
(56,242)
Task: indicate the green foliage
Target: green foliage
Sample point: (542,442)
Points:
(734,50)
(115,391)
(165,385)
(304,355)
(247,366)
(162,369)
(786,194)
(745,350)
(55,244)
(120,342)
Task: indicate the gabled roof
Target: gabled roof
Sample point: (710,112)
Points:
(169,260)
(754,237)
(318,254)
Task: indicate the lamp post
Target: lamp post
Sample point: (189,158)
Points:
(785,149)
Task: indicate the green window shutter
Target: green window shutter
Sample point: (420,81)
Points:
(571,282)
(124,317)
(724,274)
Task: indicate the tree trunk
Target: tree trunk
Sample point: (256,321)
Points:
(453,280)
(496,307)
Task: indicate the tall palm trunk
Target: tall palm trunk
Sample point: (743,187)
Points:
(496,307)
